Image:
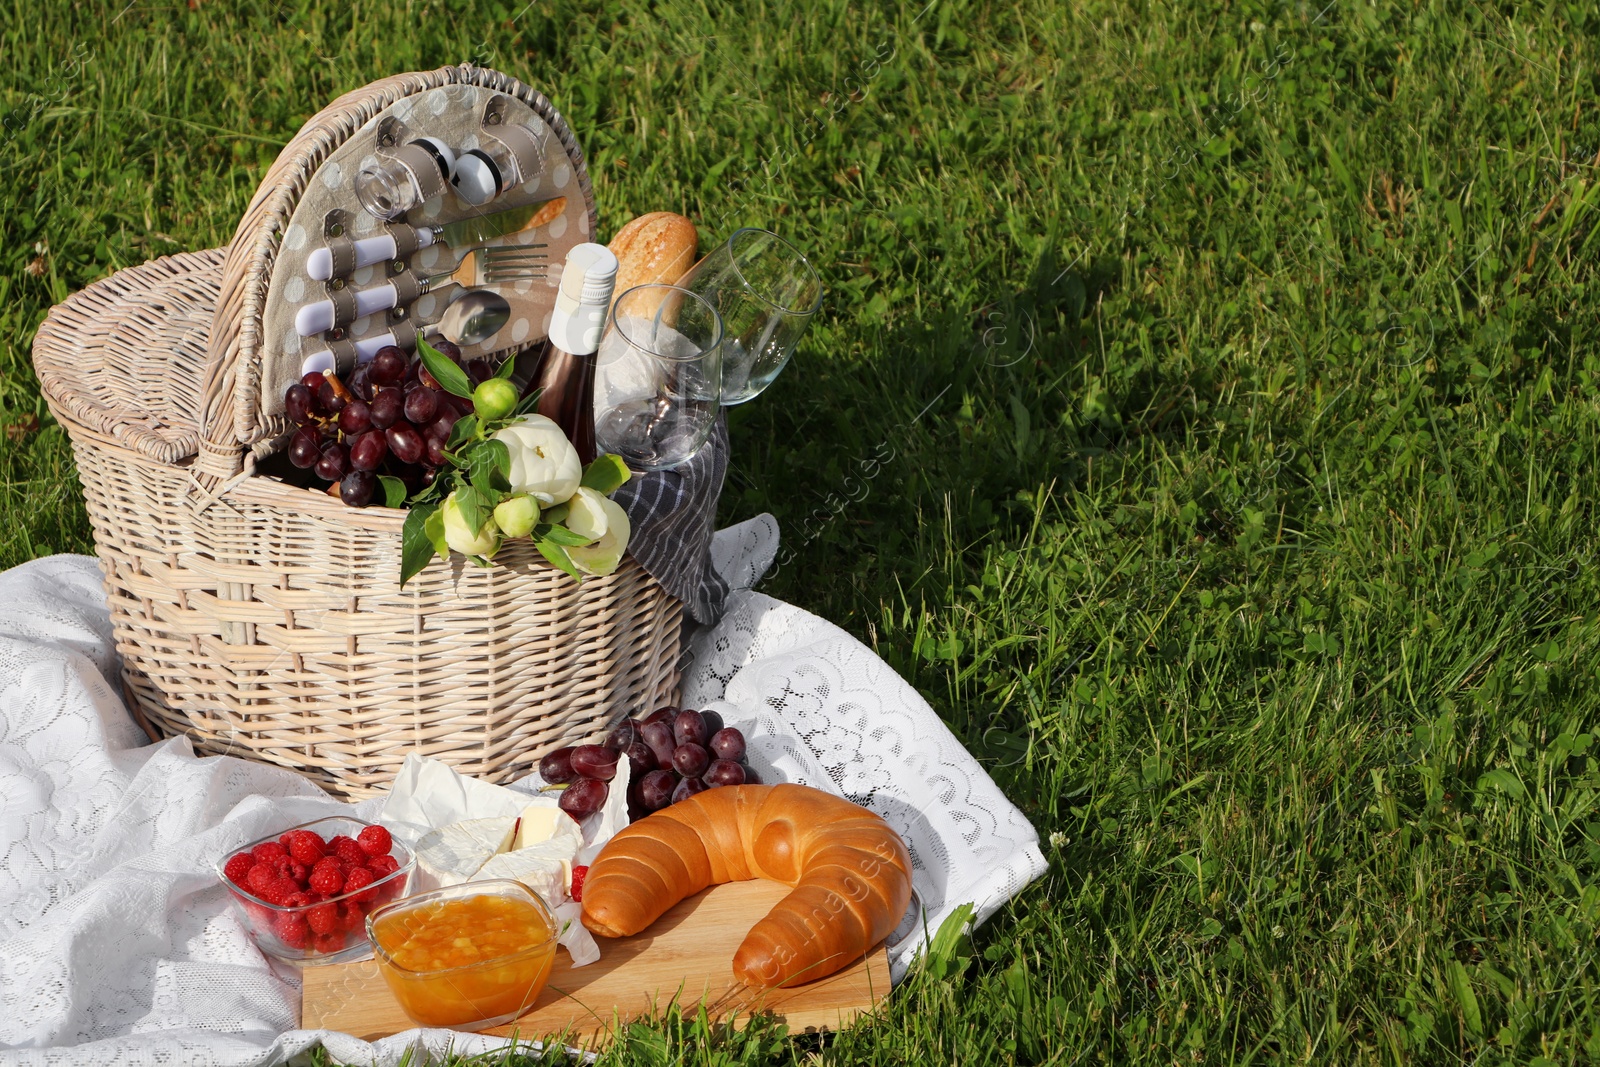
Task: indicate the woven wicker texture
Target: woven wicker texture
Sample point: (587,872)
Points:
(265,620)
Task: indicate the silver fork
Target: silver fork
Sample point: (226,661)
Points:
(503,265)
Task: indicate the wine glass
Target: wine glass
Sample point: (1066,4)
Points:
(658,377)
(767,294)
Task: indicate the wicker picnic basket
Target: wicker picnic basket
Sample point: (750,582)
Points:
(266,620)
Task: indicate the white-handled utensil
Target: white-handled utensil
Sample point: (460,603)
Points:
(341,255)
(480,266)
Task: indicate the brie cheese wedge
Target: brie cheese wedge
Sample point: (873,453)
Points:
(455,853)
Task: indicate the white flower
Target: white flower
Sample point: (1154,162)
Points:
(605,555)
(586,515)
(458,535)
(1058,839)
(543,462)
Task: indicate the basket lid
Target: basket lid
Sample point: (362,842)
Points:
(254,352)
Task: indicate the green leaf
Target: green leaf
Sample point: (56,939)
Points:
(483,482)
(558,513)
(492,459)
(1461,986)
(451,377)
(464,428)
(394,491)
(416,547)
(526,404)
(558,556)
(606,474)
(507,367)
(473,511)
(950,949)
(434,528)
(563,536)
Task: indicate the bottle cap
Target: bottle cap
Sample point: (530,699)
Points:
(587,282)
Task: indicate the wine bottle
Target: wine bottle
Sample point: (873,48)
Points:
(567,372)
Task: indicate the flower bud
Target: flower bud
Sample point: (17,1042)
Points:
(458,535)
(605,555)
(517,515)
(543,462)
(586,514)
(494,399)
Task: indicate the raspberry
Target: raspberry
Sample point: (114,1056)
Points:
(327,877)
(238,869)
(299,872)
(579,876)
(286,837)
(292,930)
(375,841)
(358,879)
(324,918)
(307,847)
(260,878)
(383,866)
(329,943)
(278,892)
(347,849)
(269,852)
(298,900)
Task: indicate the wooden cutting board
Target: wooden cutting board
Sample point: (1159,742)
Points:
(685,955)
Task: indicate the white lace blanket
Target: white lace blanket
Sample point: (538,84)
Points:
(117,945)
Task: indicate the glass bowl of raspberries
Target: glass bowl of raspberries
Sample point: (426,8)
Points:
(304,894)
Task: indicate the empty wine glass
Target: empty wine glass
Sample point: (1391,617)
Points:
(767,294)
(658,377)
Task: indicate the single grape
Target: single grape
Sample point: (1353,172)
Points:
(405,442)
(624,734)
(595,761)
(304,448)
(355,488)
(556,767)
(312,380)
(689,728)
(662,715)
(334,462)
(724,772)
(658,735)
(478,371)
(713,722)
(656,789)
(428,477)
(388,366)
(641,760)
(386,405)
(368,450)
(728,743)
(688,788)
(435,451)
(690,760)
(449,350)
(422,406)
(360,382)
(584,797)
(297,404)
(427,379)
(329,401)
(750,775)
(356,418)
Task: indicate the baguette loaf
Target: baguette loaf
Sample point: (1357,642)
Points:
(658,247)
(851,875)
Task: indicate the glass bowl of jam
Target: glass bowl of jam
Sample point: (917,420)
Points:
(467,956)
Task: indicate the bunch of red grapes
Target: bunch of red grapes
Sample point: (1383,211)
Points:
(673,753)
(390,417)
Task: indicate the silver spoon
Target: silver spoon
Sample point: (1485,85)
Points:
(472,318)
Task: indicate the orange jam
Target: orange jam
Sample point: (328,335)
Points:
(478,960)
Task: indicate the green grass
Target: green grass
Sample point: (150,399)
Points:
(1226,481)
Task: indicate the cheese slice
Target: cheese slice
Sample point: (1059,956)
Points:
(455,853)
(538,868)
(544,822)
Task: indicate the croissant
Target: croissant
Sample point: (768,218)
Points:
(851,875)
